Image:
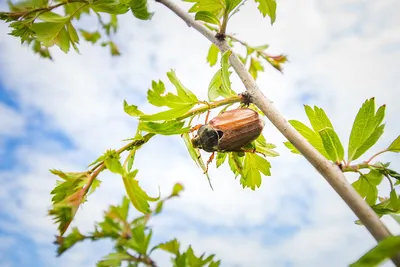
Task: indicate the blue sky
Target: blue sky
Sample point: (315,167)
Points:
(64,114)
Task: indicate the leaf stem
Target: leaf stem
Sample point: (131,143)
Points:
(377,154)
(327,169)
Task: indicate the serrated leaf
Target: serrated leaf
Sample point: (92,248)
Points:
(132,110)
(185,94)
(266,148)
(65,243)
(164,128)
(395,145)
(366,186)
(226,83)
(253,166)
(112,162)
(313,138)
(207,17)
(196,156)
(215,89)
(213,6)
(267,7)
(137,196)
(318,119)
(366,129)
(114,259)
(212,56)
(221,156)
(92,37)
(385,249)
(50,33)
(168,114)
(255,67)
(140,10)
(332,144)
(170,246)
(394,201)
(109,6)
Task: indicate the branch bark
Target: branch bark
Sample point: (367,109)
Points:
(327,169)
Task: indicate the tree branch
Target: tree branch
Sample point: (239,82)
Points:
(327,169)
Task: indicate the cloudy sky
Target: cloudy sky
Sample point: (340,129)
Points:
(64,114)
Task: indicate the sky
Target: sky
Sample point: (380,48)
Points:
(64,114)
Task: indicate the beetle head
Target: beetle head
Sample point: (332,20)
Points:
(207,138)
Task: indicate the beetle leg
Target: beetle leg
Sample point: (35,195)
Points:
(209,161)
(195,128)
(208,114)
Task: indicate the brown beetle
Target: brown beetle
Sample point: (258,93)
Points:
(230,131)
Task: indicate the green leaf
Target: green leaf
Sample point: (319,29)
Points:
(50,33)
(267,7)
(213,6)
(254,165)
(395,145)
(92,37)
(196,156)
(76,9)
(207,17)
(221,156)
(132,110)
(170,246)
(164,128)
(291,148)
(318,119)
(215,89)
(385,249)
(212,56)
(332,144)
(112,162)
(114,259)
(140,10)
(266,148)
(109,6)
(137,196)
(65,243)
(73,36)
(186,95)
(313,138)
(231,5)
(255,67)
(367,184)
(226,83)
(366,129)
(177,189)
(168,114)
(235,163)
(394,201)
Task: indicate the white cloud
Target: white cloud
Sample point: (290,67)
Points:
(337,57)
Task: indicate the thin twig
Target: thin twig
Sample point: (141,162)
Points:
(327,169)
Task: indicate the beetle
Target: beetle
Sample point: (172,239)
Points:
(230,131)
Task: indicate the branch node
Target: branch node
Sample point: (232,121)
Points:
(246,98)
(220,36)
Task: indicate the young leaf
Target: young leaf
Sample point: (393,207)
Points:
(318,119)
(395,145)
(65,243)
(313,138)
(366,129)
(114,259)
(164,128)
(132,110)
(112,162)
(215,89)
(213,6)
(367,184)
(253,166)
(137,196)
(385,249)
(196,156)
(226,83)
(221,156)
(92,37)
(207,17)
(109,6)
(267,7)
(266,148)
(394,202)
(185,94)
(212,56)
(170,246)
(332,144)
(255,67)
(168,114)
(139,9)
